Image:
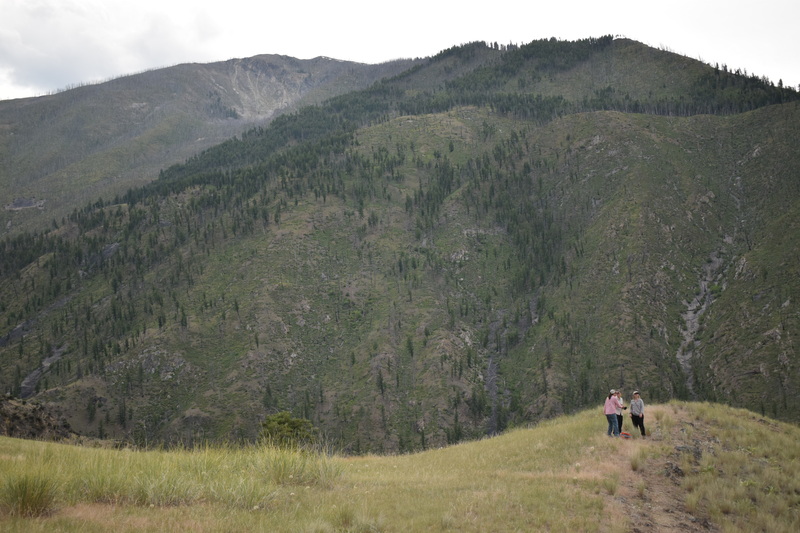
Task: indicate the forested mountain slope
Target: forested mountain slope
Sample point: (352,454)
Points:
(451,251)
(95,141)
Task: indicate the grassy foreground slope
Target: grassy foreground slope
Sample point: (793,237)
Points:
(704,467)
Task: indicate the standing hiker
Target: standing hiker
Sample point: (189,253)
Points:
(610,410)
(620,418)
(637,412)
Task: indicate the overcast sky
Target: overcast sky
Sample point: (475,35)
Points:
(47,45)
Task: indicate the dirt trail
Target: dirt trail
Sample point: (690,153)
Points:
(650,499)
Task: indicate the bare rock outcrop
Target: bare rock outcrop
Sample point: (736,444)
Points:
(29,420)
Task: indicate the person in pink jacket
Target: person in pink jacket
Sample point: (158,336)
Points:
(610,410)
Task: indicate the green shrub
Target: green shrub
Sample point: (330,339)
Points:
(283,430)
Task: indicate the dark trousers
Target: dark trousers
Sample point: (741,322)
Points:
(638,422)
(619,422)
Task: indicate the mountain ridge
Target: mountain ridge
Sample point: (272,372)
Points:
(444,254)
(100,140)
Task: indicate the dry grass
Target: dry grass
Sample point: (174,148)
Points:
(563,475)
(745,469)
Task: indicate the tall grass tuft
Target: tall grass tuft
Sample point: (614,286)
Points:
(638,459)
(28,495)
(298,467)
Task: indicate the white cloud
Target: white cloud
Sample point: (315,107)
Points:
(48,44)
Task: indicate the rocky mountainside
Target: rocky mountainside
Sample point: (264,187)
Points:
(26,420)
(96,141)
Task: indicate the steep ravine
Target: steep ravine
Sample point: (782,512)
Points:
(711,273)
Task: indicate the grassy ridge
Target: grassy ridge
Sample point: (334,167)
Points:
(703,464)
